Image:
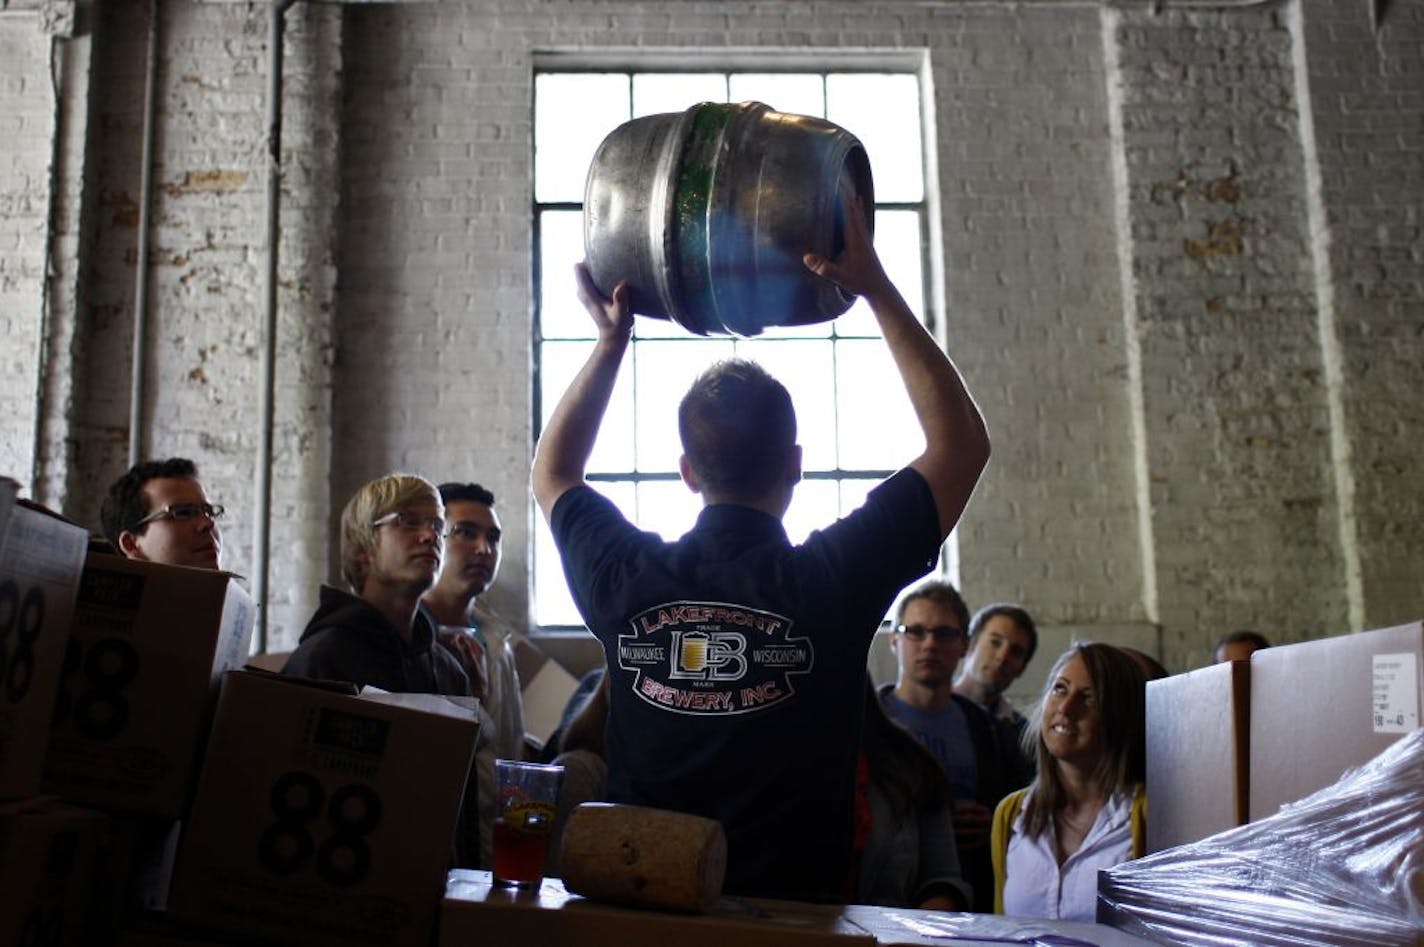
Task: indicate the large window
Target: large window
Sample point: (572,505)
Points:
(854,421)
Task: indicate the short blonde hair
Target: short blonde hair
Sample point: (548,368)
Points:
(373,501)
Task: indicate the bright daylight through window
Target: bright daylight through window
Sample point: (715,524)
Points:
(854,421)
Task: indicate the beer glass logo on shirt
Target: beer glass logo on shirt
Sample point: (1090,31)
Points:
(700,656)
(710,658)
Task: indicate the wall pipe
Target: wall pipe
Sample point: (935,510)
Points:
(47,293)
(138,376)
(262,501)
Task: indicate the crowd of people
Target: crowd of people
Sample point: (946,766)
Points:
(415,559)
(734,683)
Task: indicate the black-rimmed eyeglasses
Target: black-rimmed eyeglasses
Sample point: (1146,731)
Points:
(940,633)
(183,513)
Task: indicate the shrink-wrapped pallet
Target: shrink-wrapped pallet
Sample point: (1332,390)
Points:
(1342,867)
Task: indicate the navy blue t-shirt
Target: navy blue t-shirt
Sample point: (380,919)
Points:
(737,667)
(945,733)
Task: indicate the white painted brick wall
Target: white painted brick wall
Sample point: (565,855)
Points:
(1004,212)
(1367,96)
(1238,433)
(27,126)
(409,137)
(1034,316)
(207,262)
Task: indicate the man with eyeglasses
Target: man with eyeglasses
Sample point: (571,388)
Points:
(158,512)
(480,639)
(929,640)
(378,633)
(733,657)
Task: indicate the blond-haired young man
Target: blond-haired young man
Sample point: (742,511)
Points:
(392,539)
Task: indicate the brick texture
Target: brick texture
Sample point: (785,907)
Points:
(1233,387)
(27,123)
(1366,90)
(1195,362)
(206,268)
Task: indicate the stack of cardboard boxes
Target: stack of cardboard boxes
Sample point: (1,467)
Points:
(47,850)
(1233,742)
(1230,745)
(137,807)
(109,668)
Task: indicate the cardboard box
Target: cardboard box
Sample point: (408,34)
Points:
(136,869)
(477,912)
(40,561)
(1321,707)
(148,645)
(1198,763)
(48,851)
(546,688)
(322,817)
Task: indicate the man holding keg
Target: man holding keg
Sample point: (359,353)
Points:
(733,656)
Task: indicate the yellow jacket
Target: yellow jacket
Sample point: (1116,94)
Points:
(1008,810)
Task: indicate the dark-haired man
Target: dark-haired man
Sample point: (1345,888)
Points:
(983,765)
(1239,645)
(1002,641)
(158,511)
(478,638)
(731,653)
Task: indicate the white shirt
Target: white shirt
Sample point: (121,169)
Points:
(1035,885)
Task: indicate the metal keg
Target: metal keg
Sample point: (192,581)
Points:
(707,214)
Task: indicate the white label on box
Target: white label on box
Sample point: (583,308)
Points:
(1396,693)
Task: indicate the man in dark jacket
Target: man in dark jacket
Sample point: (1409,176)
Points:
(929,641)
(378,634)
(392,538)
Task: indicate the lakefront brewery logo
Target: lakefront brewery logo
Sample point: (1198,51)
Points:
(712,658)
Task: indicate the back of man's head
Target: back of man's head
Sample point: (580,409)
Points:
(125,505)
(373,501)
(453,492)
(1239,644)
(941,593)
(737,426)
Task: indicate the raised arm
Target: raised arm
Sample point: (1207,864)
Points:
(956,441)
(564,448)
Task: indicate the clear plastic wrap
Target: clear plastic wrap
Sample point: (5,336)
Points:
(1344,866)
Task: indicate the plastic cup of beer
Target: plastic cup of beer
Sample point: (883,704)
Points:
(524,821)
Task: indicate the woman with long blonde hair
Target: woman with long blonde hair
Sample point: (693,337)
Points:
(1086,809)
